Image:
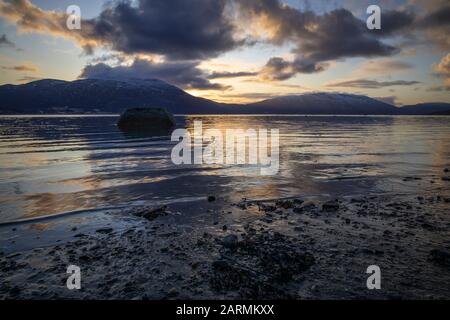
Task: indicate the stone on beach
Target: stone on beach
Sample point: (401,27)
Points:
(440,257)
(230,241)
(330,206)
(152,213)
(104,230)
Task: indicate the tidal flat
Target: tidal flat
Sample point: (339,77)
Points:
(278,249)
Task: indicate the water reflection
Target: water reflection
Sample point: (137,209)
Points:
(52,165)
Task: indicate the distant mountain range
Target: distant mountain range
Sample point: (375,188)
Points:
(95,96)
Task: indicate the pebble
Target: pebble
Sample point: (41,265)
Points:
(330,206)
(230,241)
(104,230)
(173,292)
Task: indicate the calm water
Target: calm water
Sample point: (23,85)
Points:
(52,165)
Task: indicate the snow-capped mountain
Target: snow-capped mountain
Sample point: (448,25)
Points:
(114,96)
(98,96)
(324,103)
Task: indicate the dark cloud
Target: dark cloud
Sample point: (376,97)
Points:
(436,19)
(371,84)
(195,30)
(340,35)
(5,42)
(319,38)
(108,57)
(280,69)
(177,29)
(186,75)
(201,29)
(394,22)
(436,27)
(222,75)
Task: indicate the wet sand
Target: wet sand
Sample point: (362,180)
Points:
(295,248)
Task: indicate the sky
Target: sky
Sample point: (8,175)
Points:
(236,51)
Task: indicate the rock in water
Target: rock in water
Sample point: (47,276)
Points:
(146,119)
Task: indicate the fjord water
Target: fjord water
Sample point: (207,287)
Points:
(55,164)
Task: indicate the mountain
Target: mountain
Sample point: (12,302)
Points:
(98,96)
(441,113)
(432,108)
(114,96)
(322,103)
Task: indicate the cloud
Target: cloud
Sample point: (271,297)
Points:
(318,38)
(380,66)
(437,18)
(183,33)
(222,75)
(176,29)
(186,75)
(28,79)
(22,68)
(442,70)
(394,22)
(390,99)
(202,29)
(253,96)
(438,88)
(436,26)
(111,57)
(30,18)
(370,84)
(5,42)
(279,69)
(443,67)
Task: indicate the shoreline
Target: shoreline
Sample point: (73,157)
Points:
(279,249)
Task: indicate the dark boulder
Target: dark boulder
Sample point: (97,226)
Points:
(330,206)
(152,213)
(440,257)
(230,241)
(147,120)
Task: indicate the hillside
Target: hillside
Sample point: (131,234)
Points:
(96,96)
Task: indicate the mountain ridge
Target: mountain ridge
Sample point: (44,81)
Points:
(99,96)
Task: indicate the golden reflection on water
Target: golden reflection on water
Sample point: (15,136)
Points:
(81,163)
